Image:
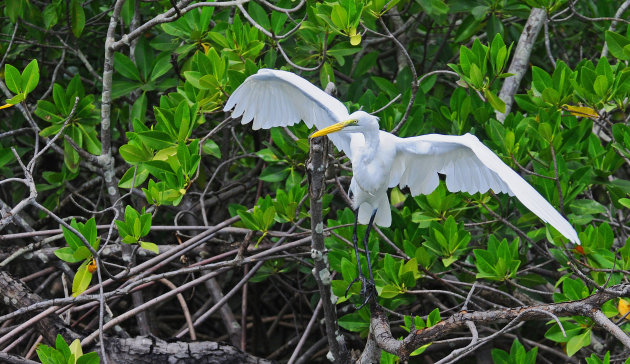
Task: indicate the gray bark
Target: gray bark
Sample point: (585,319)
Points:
(145,350)
(520,61)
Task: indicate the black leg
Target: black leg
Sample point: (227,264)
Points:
(355,242)
(369,287)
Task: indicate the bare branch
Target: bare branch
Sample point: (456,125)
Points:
(520,60)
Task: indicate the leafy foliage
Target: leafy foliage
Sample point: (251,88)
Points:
(77,251)
(167,155)
(63,353)
(517,355)
(136,226)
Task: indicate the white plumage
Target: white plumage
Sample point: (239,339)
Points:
(381,160)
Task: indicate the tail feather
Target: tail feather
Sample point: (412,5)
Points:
(383,214)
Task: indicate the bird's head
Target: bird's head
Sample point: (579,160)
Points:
(359,122)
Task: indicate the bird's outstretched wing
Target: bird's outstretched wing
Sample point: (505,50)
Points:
(469,166)
(280,98)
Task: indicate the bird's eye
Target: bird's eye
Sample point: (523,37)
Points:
(354,122)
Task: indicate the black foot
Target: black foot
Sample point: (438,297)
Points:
(350,285)
(368,289)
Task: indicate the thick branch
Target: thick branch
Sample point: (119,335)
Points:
(316,168)
(588,307)
(520,61)
(141,350)
(18,295)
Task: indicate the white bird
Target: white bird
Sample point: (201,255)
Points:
(381,160)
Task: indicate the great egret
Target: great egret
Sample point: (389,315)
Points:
(381,160)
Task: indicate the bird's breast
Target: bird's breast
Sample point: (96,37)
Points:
(372,176)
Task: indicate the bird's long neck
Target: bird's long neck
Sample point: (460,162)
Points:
(372,141)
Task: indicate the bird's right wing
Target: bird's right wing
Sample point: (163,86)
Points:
(279,98)
(469,166)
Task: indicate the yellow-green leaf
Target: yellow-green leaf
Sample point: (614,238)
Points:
(82,279)
(355,38)
(495,101)
(75,348)
(150,247)
(582,111)
(77,16)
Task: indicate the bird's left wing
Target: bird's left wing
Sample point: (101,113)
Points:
(280,98)
(469,166)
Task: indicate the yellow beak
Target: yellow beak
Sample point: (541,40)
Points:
(333,128)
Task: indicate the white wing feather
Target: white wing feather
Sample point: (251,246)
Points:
(469,166)
(279,98)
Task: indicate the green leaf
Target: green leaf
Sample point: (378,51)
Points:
(156,139)
(90,140)
(88,230)
(130,215)
(72,239)
(126,67)
(385,85)
(268,218)
(16,99)
(136,226)
(434,317)
(139,108)
(495,101)
(150,247)
(258,14)
(247,219)
(127,178)
(434,7)
(124,87)
(616,44)
(62,346)
(30,77)
(348,270)
(145,219)
(133,154)
(67,255)
(89,358)
(389,291)
(12,78)
(578,342)
(211,148)
(601,86)
(540,79)
(587,207)
(82,279)
(389,264)
(365,64)
(354,322)
(130,239)
(14,9)
(275,173)
(48,111)
(82,253)
(144,57)
(182,118)
(339,17)
(77,16)
(162,66)
(75,348)
(122,228)
(277,21)
(545,131)
(476,78)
